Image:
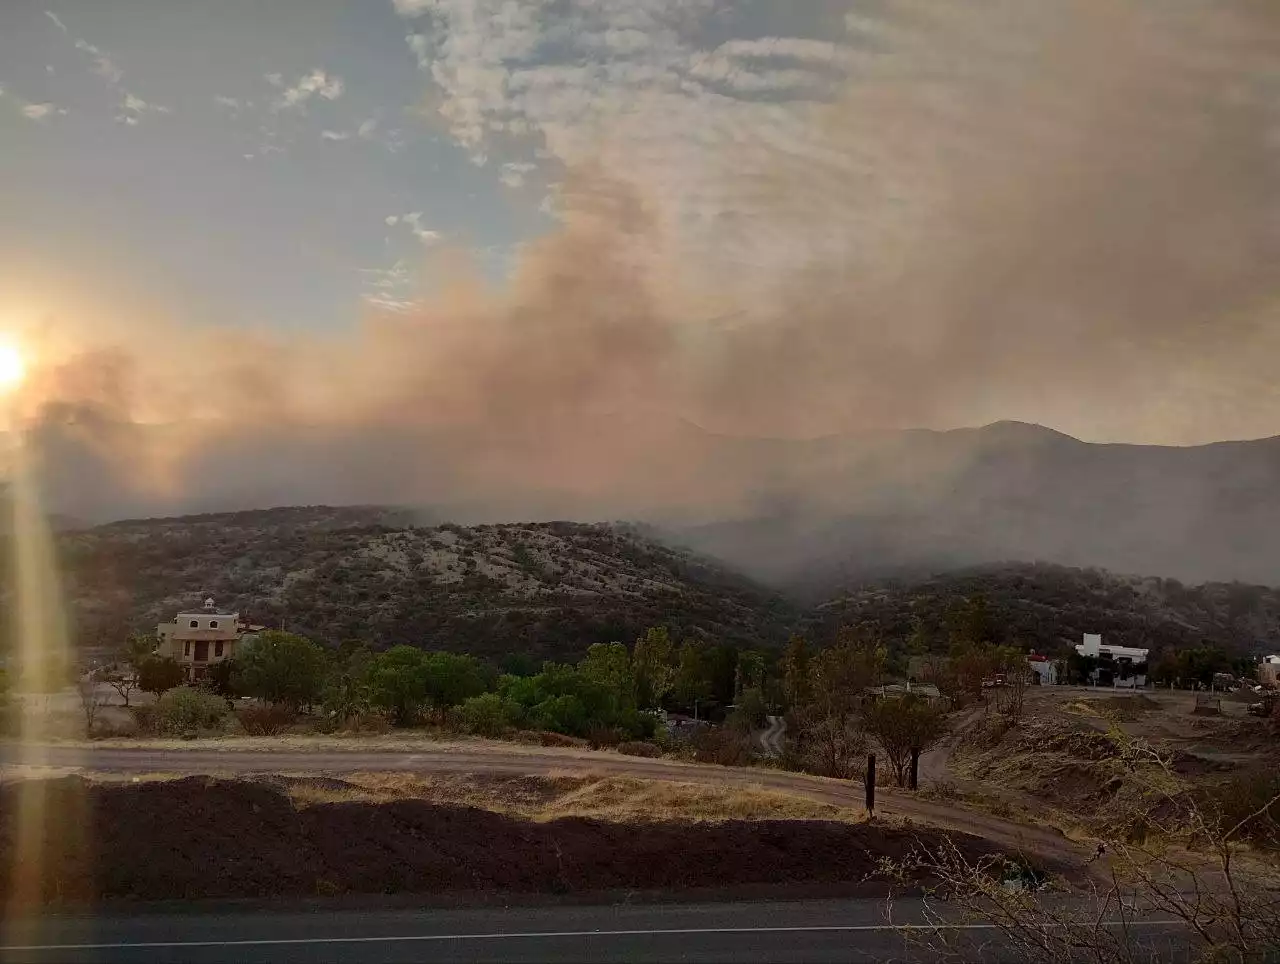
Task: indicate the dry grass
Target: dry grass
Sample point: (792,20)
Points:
(540,798)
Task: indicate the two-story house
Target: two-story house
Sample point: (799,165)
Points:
(199,639)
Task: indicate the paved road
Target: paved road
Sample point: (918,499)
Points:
(1044,843)
(850,930)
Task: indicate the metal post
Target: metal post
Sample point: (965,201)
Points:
(915,768)
(871,783)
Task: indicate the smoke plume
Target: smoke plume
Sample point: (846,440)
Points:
(1062,212)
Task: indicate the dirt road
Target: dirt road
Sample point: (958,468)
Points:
(1044,843)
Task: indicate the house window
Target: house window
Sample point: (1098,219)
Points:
(186,648)
(217,649)
(213,624)
(195,624)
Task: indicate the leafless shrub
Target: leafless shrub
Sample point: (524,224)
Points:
(1190,864)
(265,719)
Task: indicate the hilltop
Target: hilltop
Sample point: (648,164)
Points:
(545,589)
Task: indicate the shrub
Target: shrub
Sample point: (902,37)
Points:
(144,717)
(1243,802)
(548,738)
(640,748)
(602,736)
(188,708)
(722,745)
(486,715)
(265,719)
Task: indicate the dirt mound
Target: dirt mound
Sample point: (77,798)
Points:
(205,838)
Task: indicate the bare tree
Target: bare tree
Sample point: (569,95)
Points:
(901,725)
(829,745)
(123,681)
(91,700)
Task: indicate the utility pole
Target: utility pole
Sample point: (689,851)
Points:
(871,783)
(915,767)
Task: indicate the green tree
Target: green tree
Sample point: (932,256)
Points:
(159,674)
(609,664)
(488,714)
(749,673)
(397,681)
(346,690)
(280,667)
(452,678)
(692,680)
(137,649)
(795,672)
(651,661)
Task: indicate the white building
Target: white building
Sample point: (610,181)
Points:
(1269,671)
(199,639)
(1045,669)
(1119,666)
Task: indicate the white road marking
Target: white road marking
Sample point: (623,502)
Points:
(525,935)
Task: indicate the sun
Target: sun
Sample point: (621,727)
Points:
(12,368)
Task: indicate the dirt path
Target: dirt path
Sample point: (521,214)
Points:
(1044,843)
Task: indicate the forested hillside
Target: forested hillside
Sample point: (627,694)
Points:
(1048,607)
(548,590)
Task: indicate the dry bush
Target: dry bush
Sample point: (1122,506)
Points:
(605,736)
(265,719)
(1192,864)
(550,738)
(639,748)
(723,746)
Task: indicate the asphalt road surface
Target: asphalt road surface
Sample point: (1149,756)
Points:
(1046,844)
(849,930)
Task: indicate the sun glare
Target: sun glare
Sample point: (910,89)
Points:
(12,367)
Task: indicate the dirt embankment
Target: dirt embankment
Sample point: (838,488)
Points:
(199,837)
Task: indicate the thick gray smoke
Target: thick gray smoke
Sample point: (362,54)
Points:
(1064,212)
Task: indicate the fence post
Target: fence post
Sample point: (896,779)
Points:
(915,767)
(871,783)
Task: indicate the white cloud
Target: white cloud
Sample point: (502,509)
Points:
(275,80)
(420,46)
(103,65)
(228,102)
(131,108)
(513,172)
(35,112)
(412,8)
(316,83)
(413,221)
(335,135)
(390,289)
(134,108)
(41,111)
(366,129)
(57,22)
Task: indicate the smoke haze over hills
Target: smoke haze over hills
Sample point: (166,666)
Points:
(1065,213)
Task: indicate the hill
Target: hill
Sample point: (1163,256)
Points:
(545,589)
(1048,607)
(850,508)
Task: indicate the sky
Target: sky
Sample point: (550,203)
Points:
(490,219)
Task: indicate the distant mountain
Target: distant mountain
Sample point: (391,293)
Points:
(1048,607)
(548,590)
(851,508)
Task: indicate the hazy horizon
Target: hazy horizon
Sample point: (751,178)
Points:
(405,251)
